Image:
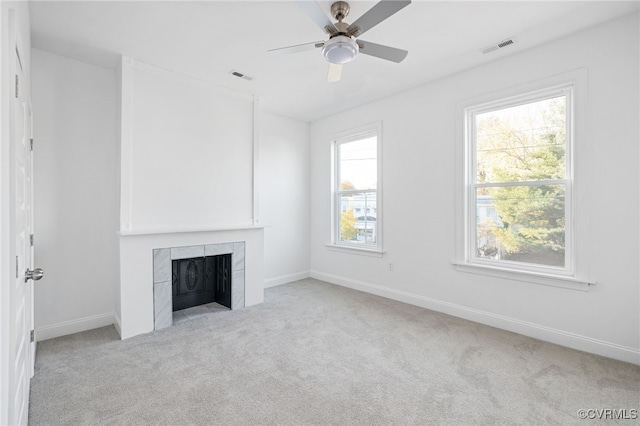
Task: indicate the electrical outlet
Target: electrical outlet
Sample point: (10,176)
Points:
(391,266)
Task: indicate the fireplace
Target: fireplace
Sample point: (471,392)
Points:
(144,299)
(195,275)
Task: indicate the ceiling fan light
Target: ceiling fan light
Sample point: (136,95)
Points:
(340,50)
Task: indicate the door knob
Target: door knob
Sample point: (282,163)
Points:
(35,275)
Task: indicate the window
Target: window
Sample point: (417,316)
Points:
(519,183)
(356,161)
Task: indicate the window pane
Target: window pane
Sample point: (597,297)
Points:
(522,143)
(358,218)
(358,164)
(521,224)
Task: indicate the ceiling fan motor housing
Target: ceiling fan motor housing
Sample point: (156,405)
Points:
(340,10)
(340,49)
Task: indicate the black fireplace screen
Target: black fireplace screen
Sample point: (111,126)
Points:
(201,280)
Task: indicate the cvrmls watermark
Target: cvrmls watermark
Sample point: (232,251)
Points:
(608,413)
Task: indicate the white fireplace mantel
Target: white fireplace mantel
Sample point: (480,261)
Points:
(135,311)
(175,230)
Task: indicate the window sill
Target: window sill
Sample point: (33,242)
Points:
(525,276)
(362,251)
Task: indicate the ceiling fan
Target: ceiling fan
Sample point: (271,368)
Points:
(342,46)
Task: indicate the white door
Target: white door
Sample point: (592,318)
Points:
(21,356)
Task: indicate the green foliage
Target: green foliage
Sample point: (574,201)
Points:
(532,219)
(348,229)
(524,149)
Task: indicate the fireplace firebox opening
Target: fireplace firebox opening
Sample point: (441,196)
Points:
(201,280)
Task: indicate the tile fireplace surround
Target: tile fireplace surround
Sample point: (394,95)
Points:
(162,276)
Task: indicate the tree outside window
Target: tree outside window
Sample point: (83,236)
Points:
(520,181)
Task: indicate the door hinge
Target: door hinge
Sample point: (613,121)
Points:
(33,336)
(31,240)
(17,273)
(31,142)
(17,85)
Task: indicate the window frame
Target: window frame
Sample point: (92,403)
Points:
(575,273)
(472,185)
(355,134)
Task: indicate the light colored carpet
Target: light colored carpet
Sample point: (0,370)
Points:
(315,353)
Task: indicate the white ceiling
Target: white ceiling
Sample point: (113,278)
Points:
(208,39)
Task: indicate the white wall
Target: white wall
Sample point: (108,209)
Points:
(75,194)
(419,163)
(187,152)
(284,197)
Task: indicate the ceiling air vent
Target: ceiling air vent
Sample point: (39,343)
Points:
(241,75)
(499,45)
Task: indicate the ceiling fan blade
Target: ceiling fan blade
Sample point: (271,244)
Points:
(317,15)
(297,48)
(382,51)
(335,73)
(378,13)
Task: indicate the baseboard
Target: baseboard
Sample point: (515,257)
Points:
(74,326)
(283,279)
(537,331)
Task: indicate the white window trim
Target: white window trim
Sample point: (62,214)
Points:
(470,187)
(362,251)
(344,137)
(575,276)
